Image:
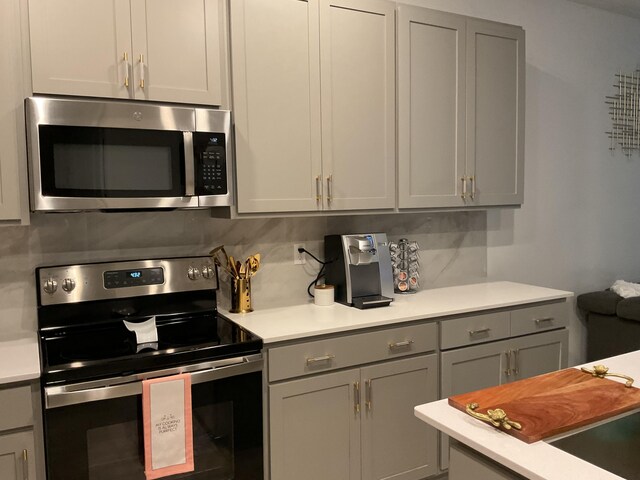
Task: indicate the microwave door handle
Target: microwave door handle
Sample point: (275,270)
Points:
(189,165)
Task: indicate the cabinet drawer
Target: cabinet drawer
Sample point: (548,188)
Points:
(16,409)
(332,353)
(539,318)
(476,329)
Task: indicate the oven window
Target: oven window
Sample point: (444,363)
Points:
(111,162)
(103,440)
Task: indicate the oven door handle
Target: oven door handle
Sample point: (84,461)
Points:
(61,396)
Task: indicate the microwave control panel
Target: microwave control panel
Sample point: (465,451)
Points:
(211,163)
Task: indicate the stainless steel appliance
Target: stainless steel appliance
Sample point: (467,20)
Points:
(93,367)
(360,269)
(110,155)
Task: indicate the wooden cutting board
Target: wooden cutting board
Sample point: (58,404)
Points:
(554,403)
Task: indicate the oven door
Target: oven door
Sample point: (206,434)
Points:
(89,155)
(94,432)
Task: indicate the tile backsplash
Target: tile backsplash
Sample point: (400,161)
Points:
(453,249)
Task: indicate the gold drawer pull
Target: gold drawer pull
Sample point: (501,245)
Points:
(497,417)
(601,371)
(473,333)
(396,345)
(324,358)
(543,320)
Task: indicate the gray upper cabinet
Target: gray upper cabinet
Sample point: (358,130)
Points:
(460,111)
(495,113)
(276,60)
(314,101)
(136,49)
(14,203)
(431,108)
(357,47)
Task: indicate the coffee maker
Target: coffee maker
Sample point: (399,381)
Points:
(359,267)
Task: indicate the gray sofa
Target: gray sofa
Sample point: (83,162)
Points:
(613,323)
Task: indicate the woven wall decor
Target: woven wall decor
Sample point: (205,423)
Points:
(624,109)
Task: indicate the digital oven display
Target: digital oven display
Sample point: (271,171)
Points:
(133,278)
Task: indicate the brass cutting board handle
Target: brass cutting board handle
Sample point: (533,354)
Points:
(496,417)
(601,371)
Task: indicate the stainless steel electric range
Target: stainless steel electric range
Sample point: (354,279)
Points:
(106,327)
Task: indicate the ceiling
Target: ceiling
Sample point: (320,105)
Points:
(630,8)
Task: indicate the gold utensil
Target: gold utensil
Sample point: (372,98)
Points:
(254,264)
(233,267)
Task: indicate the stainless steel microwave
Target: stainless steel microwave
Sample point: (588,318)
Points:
(116,155)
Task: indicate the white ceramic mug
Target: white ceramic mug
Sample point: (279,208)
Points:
(323,295)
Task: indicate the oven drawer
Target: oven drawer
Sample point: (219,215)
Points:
(356,349)
(538,318)
(16,409)
(465,331)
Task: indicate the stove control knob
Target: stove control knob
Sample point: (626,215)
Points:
(207,271)
(193,273)
(68,284)
(50,286)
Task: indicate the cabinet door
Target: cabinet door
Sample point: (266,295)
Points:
(177,50)
(13,188)
(540,353)
(395,444)
(79,47)
(495,112)
(17,456)
(431,108)
(357,41)
(276,72)
(468,369)
(315,428)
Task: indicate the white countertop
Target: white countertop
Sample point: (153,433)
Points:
(19,357)
(289,323)
(536,461)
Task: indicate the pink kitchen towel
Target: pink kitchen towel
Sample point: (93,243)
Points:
(168,429)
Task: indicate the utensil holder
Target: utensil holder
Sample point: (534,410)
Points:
(241,295)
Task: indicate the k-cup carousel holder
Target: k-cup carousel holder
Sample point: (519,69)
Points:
(405,261)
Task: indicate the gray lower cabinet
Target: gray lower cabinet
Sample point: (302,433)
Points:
(467,463)
(21,432)
(485,365)
(355,424)
(17,458)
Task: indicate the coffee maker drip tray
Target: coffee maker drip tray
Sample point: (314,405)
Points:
(371,301)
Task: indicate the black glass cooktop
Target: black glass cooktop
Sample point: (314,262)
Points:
(613,446)
(90,340)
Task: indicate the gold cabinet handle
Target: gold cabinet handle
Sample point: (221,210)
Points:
(496,417)
(25,465)
(473,333)
(329,188)
(464,187)
(323,358)
(508,370)
(127,66)
(397,345)
(601,371)
(367,385)
(141,65)
(472,181)
(543,320)
(516,361)
(318,187)
(356,397)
